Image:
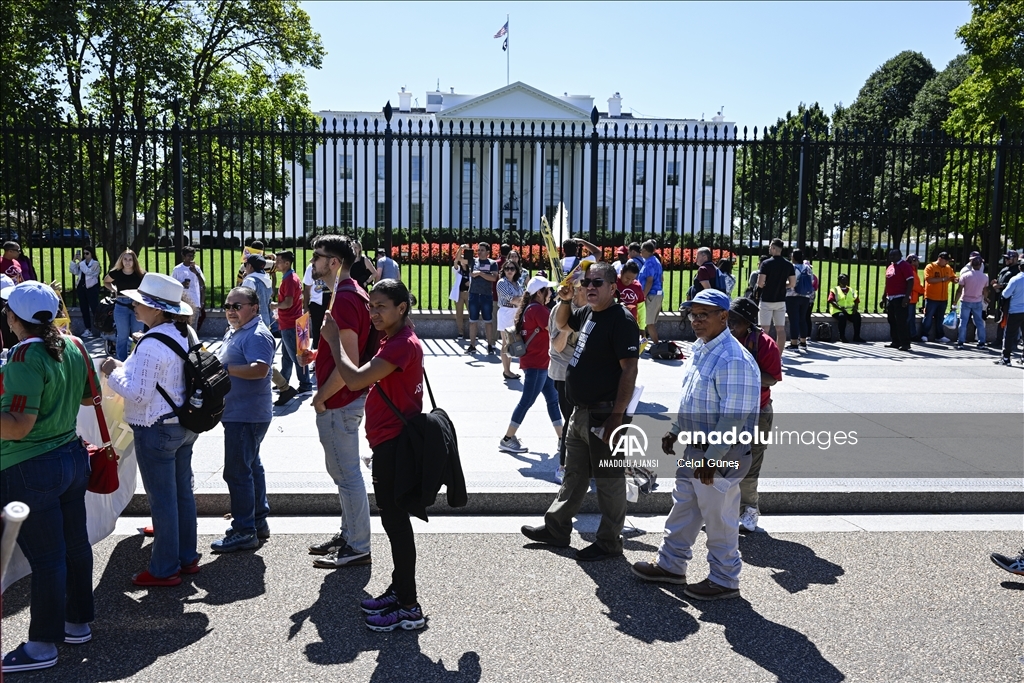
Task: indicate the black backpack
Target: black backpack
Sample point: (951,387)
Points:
(666,350)
(206,384)
(823,332)
(105,314)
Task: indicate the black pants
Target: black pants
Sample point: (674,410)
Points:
(842,319)
(566,407)
(1014,325)
(898,330)
(88,300)
(316,319)
(396,522)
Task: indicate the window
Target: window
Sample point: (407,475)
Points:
(309,216)
(416,215)
(604,172)
(672,172)
(416,163)
(511,171)
(639,172)
(709,175)
(671,217)
(380,215)
(380,167)
(345,215)
(510,223)
(709,219)
(602,217)
(551,172)
(307,167)
(468,170)
(344,167)
(638,219)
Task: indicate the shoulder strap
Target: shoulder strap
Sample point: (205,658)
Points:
(174,346)
(97,398)
(430,392)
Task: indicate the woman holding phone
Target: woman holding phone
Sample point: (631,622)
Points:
(397,372)
(126,274)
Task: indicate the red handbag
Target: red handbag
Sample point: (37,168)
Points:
(102,459)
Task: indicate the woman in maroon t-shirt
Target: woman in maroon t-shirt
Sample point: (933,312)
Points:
(397,372)
(532,323)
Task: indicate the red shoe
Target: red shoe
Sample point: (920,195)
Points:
(190,568)
(147,531)
(146,579)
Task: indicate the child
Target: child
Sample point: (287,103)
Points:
(631,295)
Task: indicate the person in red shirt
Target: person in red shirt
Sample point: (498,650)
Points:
(899,285)
(9,264)
(743,315)
(339,409)
(631,294)
(396,372)
(532,323)
(289,308)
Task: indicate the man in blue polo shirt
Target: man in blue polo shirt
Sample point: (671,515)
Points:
(248,355)
(650,279)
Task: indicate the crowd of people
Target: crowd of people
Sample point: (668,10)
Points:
(577,342)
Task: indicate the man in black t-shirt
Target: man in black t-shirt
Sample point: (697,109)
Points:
(599,382)
(1010,268)
(774,277)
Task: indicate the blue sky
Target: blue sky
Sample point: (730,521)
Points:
(679,60)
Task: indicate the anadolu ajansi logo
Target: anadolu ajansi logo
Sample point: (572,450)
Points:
(629,441)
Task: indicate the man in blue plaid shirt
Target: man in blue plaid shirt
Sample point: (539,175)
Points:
(717,413)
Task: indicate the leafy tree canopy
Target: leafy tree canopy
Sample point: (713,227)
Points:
(889,93)
(932,105)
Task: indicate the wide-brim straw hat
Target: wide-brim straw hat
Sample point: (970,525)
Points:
(161,292)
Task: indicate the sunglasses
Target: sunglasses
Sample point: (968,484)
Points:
(597,282)
(318,255)
(235,307)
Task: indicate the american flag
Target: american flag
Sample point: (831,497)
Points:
(502,31)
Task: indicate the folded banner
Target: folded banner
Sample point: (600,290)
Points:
(101,511)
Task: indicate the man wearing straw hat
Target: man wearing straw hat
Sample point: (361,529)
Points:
(339,410)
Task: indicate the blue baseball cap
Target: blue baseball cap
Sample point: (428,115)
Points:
(710,297)
(32,301)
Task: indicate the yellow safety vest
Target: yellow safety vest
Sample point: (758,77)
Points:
(845,300)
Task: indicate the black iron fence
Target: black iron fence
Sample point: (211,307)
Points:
(418,186)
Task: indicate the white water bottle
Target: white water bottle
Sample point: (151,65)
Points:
(197,399)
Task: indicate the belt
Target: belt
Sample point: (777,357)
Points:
(606,405)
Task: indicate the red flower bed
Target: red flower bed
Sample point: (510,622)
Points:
(536,256)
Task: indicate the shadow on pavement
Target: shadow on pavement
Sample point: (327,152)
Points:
(799,565)
(338,622)
(230,577)
(542,469)
(1009,585)
(785,652)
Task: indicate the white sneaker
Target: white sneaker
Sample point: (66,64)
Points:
(945,340)
(560,474)
(511,444)
(748,520)
(86,334)
(924,338)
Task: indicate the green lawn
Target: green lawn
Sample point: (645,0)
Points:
(431,284)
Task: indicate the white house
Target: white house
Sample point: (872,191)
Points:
(653,175)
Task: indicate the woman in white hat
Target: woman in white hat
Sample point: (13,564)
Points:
(163,447)
(531,321)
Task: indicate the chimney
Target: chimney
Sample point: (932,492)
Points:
(404,100)
(615,106)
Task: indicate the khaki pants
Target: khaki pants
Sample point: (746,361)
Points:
(748,487)
(583,450)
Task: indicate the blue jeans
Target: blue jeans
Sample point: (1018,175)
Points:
(244,475)
(536,381)
(968,311)
(481,306)
(290,358)
(339,434)
(931,323)
(797,308)
(125,323)
(912,321)
(164,452)
(54,537)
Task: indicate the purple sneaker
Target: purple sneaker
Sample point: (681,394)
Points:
(380,603)
(396,617)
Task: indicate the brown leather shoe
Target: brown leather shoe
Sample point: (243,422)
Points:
(709,590)
(649,571)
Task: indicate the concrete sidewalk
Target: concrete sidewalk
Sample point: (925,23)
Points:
(828,378)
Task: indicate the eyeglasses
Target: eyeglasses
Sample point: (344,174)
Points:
(317,255)
(597,282)
(697,317)
(235,307)
(510,270)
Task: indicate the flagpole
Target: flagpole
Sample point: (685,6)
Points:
(508,46)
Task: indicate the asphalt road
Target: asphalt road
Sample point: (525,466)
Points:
(815,607)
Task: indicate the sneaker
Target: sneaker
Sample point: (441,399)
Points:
(540,534)
(748,520)
(147,580)
(959,346)
(471,350)
(1003,361)
(18,660)
(305,391)
(342,557)
(410,619)
(803,345)
(510,444)
(1014,565)
(86,334)
(924,339)
(493,350)
(262,531)
(649,571)
(285,397)
(333,545)
(560,470)
(945,340)
(981,345)
(594,553)
(381,603)
(709,590)
(234,542)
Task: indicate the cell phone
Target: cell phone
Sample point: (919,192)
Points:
(186,283)
(468,255)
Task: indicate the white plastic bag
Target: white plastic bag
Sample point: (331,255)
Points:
(101,511)
(456,285)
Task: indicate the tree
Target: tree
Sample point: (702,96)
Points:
(888,94)
(932,105)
